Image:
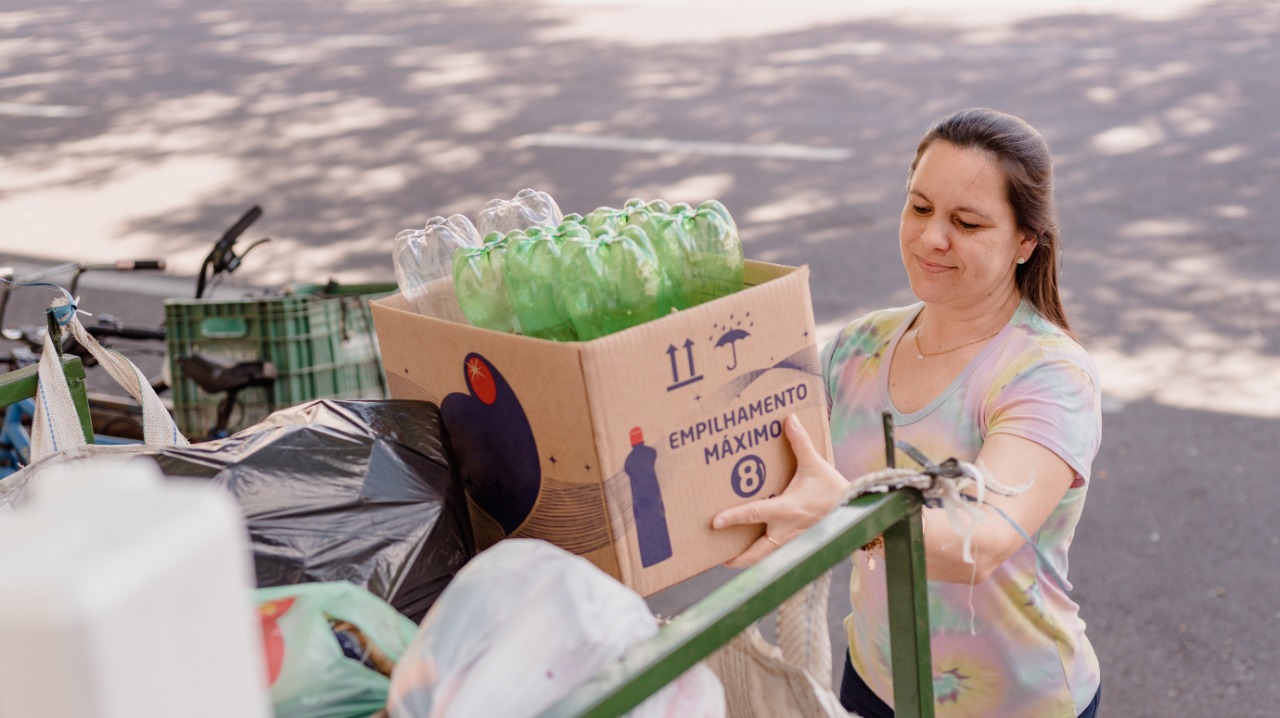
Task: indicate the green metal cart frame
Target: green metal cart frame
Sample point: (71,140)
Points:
(21,384)
(716,619)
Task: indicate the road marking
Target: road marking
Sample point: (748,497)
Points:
(17,109)
(665,146)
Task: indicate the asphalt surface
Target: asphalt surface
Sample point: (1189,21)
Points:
(138,129)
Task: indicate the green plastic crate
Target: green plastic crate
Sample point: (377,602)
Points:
(319,337)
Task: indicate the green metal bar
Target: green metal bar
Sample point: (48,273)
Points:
(18,385)
(73,369)
(909,617)
(713,621)
(886,421)
(21,384)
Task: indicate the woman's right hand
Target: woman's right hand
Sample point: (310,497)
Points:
(815,489)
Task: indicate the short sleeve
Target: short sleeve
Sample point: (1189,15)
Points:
(828,375)
(1057,404)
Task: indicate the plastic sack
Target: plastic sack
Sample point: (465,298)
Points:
(358,491)
(330,649)
(424,257)
(523,625)
(529,208)
(56,433)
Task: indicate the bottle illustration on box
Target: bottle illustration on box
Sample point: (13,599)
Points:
(646,501)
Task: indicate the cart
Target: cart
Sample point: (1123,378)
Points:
(730,609)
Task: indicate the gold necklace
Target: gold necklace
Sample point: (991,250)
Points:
(920,355)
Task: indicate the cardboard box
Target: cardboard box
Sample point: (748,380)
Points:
(621,449)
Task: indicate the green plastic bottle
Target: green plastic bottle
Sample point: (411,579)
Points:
(533,271)
(713,251)
(604,218)
(479,280)
(670,246)
(610,282)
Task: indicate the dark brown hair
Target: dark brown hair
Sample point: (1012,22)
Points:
(1023,155)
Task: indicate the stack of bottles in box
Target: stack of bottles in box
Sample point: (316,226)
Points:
(570,278)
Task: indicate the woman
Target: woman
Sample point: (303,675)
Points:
(984,368)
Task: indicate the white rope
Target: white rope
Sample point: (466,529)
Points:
(944,483)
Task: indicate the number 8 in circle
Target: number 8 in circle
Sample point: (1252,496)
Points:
(748,476)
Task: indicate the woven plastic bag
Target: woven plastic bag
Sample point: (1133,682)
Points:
(56,433)
(522,625)
(793,678)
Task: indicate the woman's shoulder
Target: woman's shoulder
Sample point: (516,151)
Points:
(1046,343)
(863,339)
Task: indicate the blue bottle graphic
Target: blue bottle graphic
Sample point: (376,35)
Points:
(646,501)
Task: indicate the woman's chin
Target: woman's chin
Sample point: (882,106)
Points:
(926,291)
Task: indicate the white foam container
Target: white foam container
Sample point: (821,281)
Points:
(123,596)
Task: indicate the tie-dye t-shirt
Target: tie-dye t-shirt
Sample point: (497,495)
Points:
(1013,645)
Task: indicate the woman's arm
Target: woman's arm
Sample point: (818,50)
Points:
(1012,461)
(817,488)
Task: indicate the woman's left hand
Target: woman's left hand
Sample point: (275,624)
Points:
(814,491)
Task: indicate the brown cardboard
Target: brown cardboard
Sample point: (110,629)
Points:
(543,431)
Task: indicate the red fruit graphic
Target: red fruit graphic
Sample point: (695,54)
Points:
(272,639)
(480,379)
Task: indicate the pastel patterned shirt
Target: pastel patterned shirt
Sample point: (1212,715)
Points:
(1013,645)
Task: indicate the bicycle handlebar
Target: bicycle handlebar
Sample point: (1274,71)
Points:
(229,237)
(125,332)
(140,264)
(123,265)
(222,258)
(120,265)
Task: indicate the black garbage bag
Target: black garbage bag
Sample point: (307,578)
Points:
(358,491)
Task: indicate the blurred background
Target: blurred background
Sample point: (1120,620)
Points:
(134,129)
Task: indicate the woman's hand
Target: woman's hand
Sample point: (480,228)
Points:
(814,491)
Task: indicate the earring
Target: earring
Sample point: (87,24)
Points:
(1022,260)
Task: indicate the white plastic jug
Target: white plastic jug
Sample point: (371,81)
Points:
(124,595)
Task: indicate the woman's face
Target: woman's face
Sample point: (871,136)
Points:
(960,242)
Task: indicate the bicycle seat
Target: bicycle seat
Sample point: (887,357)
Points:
(220,375)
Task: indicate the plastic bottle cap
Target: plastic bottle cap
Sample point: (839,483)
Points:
(637,436)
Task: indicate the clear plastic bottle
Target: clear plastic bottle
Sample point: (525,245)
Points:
(529,208)
(423,260)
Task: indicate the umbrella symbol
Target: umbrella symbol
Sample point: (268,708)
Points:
(731,338)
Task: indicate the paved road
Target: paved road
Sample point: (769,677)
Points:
(135,128)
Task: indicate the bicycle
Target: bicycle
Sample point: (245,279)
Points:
(117,418)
